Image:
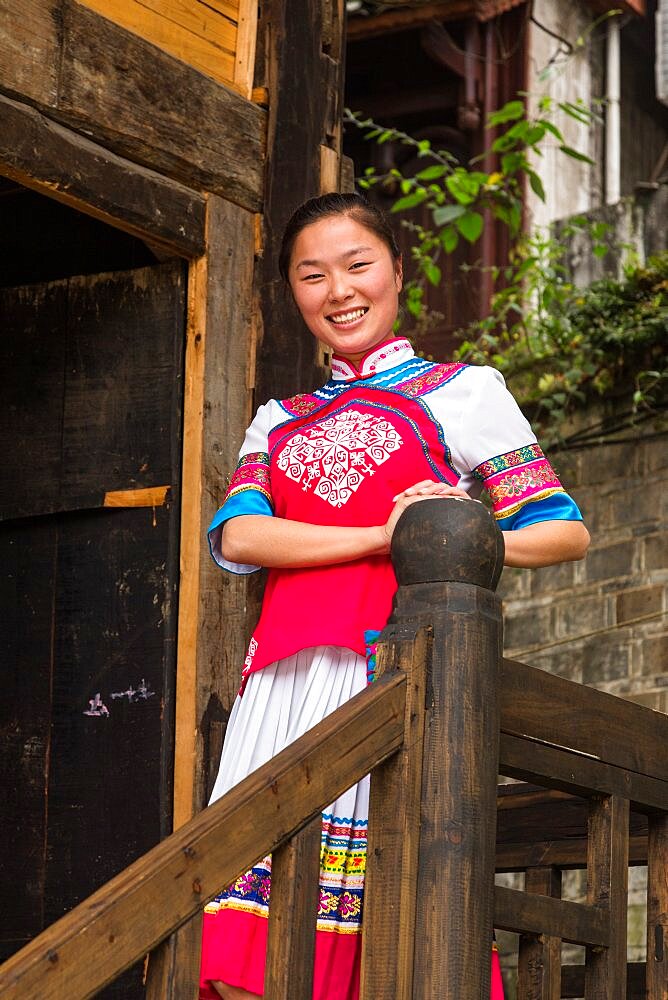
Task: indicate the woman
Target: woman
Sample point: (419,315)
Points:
(321,482)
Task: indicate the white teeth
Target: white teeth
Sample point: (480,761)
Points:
(348,317)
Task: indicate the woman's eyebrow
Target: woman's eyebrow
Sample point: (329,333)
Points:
(347,253)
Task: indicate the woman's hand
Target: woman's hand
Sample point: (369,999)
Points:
(427,489)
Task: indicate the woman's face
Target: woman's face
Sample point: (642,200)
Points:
(346,285)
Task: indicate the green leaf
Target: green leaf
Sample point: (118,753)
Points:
(449,238)
(406,185)
(447,214)
(512,162)
(410,201)
(432,271)
(599,250)
(463,186)
(536,184)
(576,154)
(470,225)
(432,173)
(551,127)
(508,113)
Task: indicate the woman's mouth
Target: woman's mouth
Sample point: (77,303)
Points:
(349,317)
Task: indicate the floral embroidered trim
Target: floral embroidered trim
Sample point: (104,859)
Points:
(517,477)
(301,405)
(251,473)
(371,636)
(529,453)
(373,361)
(342,867)
(438,376)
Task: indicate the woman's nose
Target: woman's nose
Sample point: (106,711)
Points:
(340,287)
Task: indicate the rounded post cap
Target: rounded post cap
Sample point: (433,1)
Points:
(444,539)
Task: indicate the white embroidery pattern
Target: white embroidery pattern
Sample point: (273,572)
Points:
(338,454)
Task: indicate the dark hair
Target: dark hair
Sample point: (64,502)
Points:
(355,205)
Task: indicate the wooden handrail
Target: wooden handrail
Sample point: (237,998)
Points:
(131,914)
(542,706)
(429,727)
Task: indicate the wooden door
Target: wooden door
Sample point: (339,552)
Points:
(91,388)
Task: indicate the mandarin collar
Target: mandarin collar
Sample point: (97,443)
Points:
(387,355)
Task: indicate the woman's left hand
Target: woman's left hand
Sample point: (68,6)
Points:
(430,488)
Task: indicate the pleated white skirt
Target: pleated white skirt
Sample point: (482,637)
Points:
(279,704)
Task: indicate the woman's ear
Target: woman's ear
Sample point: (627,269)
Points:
(399,273)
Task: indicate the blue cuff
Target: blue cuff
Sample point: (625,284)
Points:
(558,507)
(246,502)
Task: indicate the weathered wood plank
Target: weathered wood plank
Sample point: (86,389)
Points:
(562,853)
(300,120)
(539,965)
(583,719)
(196,34)
(657,909)
(173,967)
(579,774)
(390,903)
(53,160)
(244,55)
(221,603)
(83,70)
(158,893)
(525,913)
(573,977)
(295,867)
(607,881)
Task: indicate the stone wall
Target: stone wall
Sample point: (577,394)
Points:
(601,621)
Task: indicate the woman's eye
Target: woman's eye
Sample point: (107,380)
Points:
(359,263)
(311,277)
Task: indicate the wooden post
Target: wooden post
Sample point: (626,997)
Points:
(292,914)
(607,880)
(657,908)
(448,556)
(539,970)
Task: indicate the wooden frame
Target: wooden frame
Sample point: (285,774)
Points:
(86,72)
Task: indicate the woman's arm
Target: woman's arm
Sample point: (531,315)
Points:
(277,542)
(280,543)
(546,543)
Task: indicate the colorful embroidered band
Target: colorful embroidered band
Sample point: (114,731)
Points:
(252,473)
(517,478)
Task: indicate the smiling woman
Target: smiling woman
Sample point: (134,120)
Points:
(322,480)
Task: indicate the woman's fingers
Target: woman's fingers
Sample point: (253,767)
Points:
(430,488)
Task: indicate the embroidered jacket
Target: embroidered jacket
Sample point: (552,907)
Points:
(339,455)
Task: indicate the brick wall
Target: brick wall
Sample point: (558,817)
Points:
(601,621)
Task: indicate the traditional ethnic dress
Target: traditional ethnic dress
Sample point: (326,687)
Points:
(339,456)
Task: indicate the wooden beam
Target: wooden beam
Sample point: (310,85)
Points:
(161,891)
(83,70)
(301,120)
(539,964)
(392,21)
(151,496)
(388,942)
(607,881)
(573,979)
(295,870)
(526,913)
(657,908)
(57,162)
(244,58)
(571,853)
(583,719)
(579,774)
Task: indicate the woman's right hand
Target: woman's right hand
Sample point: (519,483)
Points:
(426,489)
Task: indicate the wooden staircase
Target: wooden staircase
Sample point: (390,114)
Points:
(445,715)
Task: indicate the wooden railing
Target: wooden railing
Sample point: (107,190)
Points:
(428,729)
